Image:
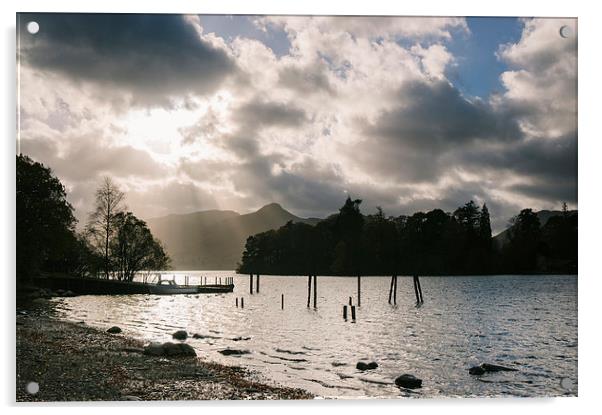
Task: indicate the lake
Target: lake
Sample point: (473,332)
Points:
(525,322)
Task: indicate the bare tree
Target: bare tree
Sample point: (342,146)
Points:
(102,223)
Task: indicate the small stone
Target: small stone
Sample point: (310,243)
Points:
(236,352)
(130,398)
(408,381)
(180,335)
(114,330)
(366,366)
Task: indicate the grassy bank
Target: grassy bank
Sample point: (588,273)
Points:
(74,362)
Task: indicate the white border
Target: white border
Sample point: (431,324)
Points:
(589,194)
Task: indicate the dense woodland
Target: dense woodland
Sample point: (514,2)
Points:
(114,243)
(432,243)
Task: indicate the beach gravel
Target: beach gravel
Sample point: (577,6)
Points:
(75,362)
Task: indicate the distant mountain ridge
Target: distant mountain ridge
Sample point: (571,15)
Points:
(503,237)
(215,239)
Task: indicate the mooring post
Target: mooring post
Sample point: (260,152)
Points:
(350,301)
(395,291)
(353,312)
(257,277)
(345,312)
(242,302)
(308,290)
(359,291)
(236,302)
(391,288)
(315,291)
(282,301)
(419,289)
(251,283)
(416,288)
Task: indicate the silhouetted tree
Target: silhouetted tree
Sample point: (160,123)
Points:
(103,219)
(134,249)
(525,238)
(45,228)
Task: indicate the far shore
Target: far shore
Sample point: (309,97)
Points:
(75,362)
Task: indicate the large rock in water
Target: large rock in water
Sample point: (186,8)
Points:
(366,366)
(169,349)
(487,367)
(180,335)
(408,381)
(114,330)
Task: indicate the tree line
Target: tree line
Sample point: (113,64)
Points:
(113,244)
(431,243)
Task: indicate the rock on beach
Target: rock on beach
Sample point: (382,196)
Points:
(180,335)
(366,366)
(170,349)
(408,381)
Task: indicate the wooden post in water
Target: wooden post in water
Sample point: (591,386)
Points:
(236,302)
(242,302)
(282,301)
(308,290)
(391,288)
(251,283)
(257,276)
(395,290)
(350,301)
(345,312)
(359,291)
(315,291)
(353,312)
(416,289)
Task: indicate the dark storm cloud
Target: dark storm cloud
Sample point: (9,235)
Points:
(552,163)
(153,57)
(434,116)
(415,140)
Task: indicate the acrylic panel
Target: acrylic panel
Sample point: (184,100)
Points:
(216,207)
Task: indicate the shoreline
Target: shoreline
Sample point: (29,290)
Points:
(75,362)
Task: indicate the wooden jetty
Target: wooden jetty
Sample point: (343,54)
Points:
(99,286)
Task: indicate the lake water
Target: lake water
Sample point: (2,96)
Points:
(525,322)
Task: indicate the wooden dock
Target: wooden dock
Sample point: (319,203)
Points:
(100,286)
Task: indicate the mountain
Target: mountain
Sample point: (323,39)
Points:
(215,239)
(503,237)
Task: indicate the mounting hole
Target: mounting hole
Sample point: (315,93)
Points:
(566,383)
(566,32)
(33,27)
(32,388)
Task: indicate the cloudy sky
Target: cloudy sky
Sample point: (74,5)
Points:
(189,113)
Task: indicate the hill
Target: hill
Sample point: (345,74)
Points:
(502,238)
(215,239)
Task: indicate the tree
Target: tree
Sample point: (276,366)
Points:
(347,232)
(525,238)
(45,228)
(134,248)
(103,219)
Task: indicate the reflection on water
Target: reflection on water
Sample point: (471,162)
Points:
(526,322)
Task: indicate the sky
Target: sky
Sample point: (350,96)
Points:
(189,113)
